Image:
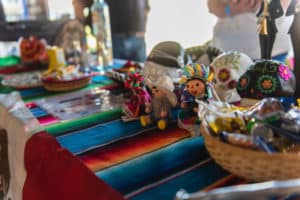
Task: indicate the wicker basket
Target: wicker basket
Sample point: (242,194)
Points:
(66,85)
(250,164)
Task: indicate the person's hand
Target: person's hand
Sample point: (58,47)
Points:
(244,6)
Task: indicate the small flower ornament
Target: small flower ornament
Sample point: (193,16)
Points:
(284,72)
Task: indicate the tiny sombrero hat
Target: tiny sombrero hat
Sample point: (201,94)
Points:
(165,84)
(196,71)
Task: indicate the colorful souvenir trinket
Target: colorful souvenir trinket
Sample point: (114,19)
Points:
(227,69)
(267,78)
(163,99)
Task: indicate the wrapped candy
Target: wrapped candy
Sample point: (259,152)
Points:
(166,58)
(291,121)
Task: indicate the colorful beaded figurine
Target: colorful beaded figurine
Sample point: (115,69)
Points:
(139,97)
(197,85)
(163,99)
(196,82)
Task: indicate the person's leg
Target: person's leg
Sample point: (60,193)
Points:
(119,48)
(266,45)
(295,37)
(129,48)
(139,49)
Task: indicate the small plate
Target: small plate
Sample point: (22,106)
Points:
(23,80)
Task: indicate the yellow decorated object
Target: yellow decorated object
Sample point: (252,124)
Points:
(196,71)
(56,61)
(228,124)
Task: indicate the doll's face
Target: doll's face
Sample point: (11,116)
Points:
(156,92)
(195,88)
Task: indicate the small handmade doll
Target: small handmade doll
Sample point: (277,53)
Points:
(197,85)
(163,99)
(139,97)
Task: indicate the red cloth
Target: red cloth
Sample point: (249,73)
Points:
(53,173)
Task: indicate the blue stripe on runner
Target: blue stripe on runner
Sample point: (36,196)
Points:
(192,181)
(83,140)
(149,168)
(27,93)
(38,112)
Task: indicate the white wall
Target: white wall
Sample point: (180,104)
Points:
(57,8)
(185,21)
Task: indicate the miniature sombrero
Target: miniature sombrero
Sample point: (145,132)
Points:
(196,71)
(166,58)
(165,84)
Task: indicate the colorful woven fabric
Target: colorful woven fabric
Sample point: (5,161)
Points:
(101,157)
(53,173)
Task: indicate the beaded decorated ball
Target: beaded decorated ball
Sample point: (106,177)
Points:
(267,78)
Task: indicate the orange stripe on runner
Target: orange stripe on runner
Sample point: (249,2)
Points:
(130,148)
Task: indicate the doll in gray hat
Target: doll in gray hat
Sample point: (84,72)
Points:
(163,99)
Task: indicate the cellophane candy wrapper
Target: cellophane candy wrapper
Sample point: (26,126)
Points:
(291,120)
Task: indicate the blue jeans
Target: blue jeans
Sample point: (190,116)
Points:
(129,48)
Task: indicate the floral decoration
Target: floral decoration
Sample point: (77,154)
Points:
(232,84)
(284,72)
(267,84)
(243,83)
(224,75)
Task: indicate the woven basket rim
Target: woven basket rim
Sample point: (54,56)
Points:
(47,80)
(207,135)
(251,164)
(66,86)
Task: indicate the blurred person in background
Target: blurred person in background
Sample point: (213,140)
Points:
(2,14)
(128,27)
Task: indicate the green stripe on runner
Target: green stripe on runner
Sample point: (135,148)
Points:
(50,94)
(63,127)
(9,61)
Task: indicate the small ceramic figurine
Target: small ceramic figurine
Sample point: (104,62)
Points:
(267,78)
(139,96)
(267,15)
(56,61)
(227,68)
(197,85)
(166,58)
(163,99)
